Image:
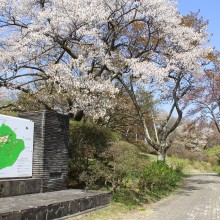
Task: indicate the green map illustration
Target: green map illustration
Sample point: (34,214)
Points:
(10,146)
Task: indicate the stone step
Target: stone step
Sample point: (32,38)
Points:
(52,205)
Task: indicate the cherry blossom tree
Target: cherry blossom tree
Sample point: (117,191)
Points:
(72,49)
(55,48)
(74,52)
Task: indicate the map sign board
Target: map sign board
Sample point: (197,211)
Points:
(16,147)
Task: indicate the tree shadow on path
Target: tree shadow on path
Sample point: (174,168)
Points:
(192,183)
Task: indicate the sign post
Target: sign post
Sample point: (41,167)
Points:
(16,147)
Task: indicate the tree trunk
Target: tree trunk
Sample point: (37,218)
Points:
(161,154)
(162,151)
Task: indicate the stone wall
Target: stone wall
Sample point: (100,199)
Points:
(16,187)
(50,156)
(53,205)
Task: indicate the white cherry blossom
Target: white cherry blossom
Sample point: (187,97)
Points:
(78,48)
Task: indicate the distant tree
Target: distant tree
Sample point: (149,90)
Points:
(206,95)
(192,136)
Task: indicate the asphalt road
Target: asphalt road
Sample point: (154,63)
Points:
(198,200)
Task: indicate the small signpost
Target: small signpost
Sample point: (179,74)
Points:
(16,147)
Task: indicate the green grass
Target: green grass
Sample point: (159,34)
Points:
(214,154)
(150,157)
(217,169)
(188,166)
(113,211)
(213,151)
(191,166)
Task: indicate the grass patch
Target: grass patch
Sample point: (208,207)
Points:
(213,151)
(190,166)
(109,213)
(187,166)
(150,157)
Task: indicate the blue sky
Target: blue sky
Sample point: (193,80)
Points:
(209,10)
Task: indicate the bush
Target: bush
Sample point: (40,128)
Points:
(88,141)
(159,176)
(88,134)
(98,159)
(214,160)
(116,168)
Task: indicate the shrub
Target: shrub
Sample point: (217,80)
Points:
(214,160)
(88,141)
(117,167)
(98,159)
(159,176)
(89,134)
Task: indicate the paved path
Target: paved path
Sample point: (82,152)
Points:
(199,200)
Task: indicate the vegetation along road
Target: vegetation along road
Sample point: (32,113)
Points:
(198,200)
